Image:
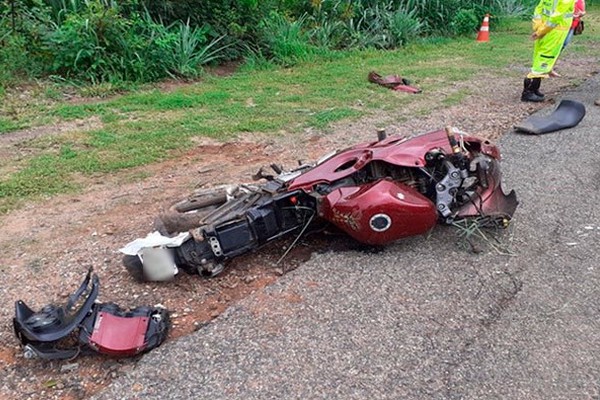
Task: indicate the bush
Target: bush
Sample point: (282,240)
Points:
(286,42)
(98,44)
(513,8)
(237,21)
(93,45)
(327,33)
(144,40)
(99,41)
(383,26)
(14,63)
(404,26)
(189,50)
(465,22)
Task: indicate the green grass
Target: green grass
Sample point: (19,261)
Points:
(8,125)
(455,98)
(146,126)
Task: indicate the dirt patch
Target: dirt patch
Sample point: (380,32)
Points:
(48,246)
(225,69)
(9,141)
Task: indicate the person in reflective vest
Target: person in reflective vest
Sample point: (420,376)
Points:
(577,14)
(551,23)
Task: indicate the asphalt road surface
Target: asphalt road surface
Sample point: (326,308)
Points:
(425,318)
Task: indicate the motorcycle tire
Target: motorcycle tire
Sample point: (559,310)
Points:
(186,214)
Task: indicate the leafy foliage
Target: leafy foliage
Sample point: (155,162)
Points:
(104,41)
(110,41)
(93,45)
(13,58)
(287,41)
(190,50)
(513,8)
(381,26)
(464,22)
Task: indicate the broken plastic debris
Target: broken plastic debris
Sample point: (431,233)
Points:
(154,239)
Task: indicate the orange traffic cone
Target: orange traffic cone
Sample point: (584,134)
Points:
(484,31)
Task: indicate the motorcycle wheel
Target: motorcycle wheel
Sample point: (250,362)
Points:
(186,214)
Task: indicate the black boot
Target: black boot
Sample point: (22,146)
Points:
(535,85)
(530,86)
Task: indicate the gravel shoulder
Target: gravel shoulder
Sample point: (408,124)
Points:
(424,318)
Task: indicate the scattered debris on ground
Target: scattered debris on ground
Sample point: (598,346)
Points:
(47,246)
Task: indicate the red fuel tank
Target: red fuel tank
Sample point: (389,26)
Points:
(380,212)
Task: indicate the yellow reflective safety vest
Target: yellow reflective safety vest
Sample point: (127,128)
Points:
(551,22)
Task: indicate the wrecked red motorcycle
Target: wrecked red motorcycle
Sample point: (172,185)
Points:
(376,192)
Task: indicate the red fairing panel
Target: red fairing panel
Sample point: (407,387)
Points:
(380,212)
(394,150)
(119,335)
(491,200)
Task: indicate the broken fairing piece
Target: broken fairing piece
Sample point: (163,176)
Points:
(117,332)
(154,239)
(95,327)
(394,82)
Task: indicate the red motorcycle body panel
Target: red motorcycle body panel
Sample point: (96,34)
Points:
(119,336)
(380,212)
(491,200)
(395,150)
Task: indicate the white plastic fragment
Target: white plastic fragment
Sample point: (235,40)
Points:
(154,239)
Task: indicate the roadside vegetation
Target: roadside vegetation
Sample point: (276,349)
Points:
(302,64)
(119,42)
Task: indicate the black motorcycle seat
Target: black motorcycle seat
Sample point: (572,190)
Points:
(567,115)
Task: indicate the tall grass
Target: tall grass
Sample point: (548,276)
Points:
(191,50)
(287,41)
(382,24)
(103,41)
